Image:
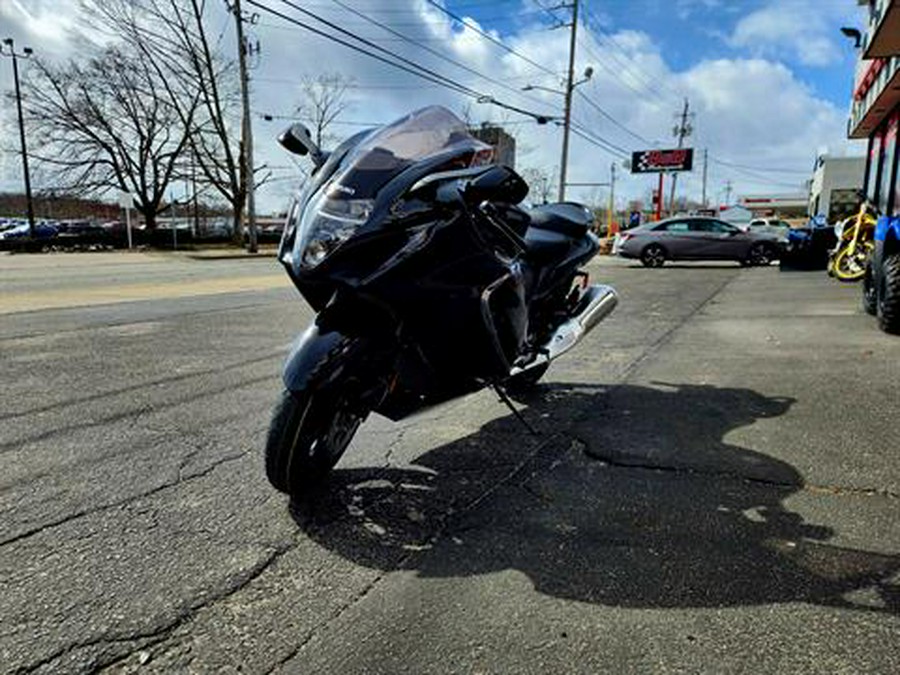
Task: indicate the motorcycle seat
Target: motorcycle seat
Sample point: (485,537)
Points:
(570,219)
(546,246)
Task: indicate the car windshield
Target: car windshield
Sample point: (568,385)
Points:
(396,146)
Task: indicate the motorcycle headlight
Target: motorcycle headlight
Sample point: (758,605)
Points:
(326,224)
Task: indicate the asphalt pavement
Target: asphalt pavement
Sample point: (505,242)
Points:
(715,487)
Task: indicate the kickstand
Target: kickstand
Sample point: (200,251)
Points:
(509,404)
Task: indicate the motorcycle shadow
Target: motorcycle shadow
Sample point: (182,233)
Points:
(638,501)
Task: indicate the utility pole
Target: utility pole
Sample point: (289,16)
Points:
(682,130)
(26,52)
(612,197)
(727,193)
(570,86)
(246,128)
(705,157)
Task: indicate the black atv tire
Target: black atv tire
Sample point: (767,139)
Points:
(308,434)
(653,255)
(870,293)
(889,295)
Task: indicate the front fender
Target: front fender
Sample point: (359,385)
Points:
(316,357)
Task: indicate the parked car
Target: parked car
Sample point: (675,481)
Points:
(41,231)
(697,238)
(779,228)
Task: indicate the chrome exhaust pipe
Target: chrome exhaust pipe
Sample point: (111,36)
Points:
(595,305)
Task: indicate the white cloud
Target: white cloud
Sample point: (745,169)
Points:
(802,30)
(43,23)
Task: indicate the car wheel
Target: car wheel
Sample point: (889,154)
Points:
(888,303)
(760,254)
(653,255)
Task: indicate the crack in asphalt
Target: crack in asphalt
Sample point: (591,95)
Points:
(667,335)
(116,324)
(179,480)
(161,633)
(143,385)
(133,414)
(688,470)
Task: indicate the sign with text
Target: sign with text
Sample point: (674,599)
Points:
(656,161)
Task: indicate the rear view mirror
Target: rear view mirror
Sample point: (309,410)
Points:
(296,139)
(498,183)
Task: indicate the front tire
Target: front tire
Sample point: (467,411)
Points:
(889,295)
(308,434)
(851,267)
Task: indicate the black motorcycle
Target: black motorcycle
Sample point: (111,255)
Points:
(429,282)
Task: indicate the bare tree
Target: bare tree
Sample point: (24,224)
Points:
(109,122)
(173,35)
(540,183)
(324,100)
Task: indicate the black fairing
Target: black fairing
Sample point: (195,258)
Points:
(452,285)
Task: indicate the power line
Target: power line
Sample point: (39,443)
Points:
(612,119)
(410,67)
(629,63)
(589,136)
(760,168)
(490,38)
(617,74)
(434,52)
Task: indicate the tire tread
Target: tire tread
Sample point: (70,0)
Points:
(889,302)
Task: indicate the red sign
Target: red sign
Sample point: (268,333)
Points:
(653,161)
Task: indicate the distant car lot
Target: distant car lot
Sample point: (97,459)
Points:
(697,238)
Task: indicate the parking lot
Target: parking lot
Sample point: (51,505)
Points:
(715,487)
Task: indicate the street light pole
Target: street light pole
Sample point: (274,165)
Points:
(26,52)
(564,160)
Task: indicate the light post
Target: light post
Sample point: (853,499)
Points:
(25,53)
(567,119)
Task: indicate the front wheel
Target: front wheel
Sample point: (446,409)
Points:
(308,434)
(889,294)
(849,266)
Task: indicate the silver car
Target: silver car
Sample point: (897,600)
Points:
(697,238)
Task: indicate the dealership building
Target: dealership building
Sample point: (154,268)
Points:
(834,188)
(875,109)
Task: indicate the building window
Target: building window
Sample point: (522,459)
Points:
(888,153)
